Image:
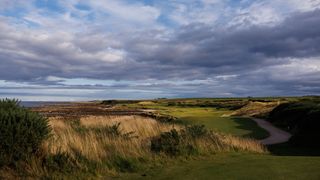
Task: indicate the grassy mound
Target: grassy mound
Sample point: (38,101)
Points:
(256,109)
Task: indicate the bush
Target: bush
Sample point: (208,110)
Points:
(21,132)
(171,104)
(112,131)
(167,142)
(195,131)
(175,143)
(125,165)
(61,161)
(7,104)
(161,117)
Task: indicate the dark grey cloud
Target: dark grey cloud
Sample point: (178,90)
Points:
(192,52)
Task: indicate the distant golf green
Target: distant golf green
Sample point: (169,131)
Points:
(218,121)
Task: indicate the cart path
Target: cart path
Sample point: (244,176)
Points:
(277,135)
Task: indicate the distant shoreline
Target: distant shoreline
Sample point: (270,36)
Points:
(30,104)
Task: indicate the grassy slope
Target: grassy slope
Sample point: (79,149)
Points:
(232,166)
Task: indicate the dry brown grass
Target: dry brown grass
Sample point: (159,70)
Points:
(143,127)
(243,144)
(100,148)
(215,143)
(255,109)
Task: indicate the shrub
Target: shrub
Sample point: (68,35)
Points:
(171,103)
(195,131)
(112,131)
(60,161)
(124,165)
(167,142)
(6,104)
(161,117)
(21,132)
(175,143)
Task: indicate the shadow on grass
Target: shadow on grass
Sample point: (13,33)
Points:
(286,149)
(247,124)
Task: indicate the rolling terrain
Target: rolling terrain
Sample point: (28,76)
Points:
(168,139)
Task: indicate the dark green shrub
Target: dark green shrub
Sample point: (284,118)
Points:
(6,104)
(195,131)
(113,131)
(176,143)
(61,161)
(167,142)
(171,103)
(21,132)
(124,165)
(161,117)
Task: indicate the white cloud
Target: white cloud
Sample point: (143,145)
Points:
(258,13)
(296,69)
(133,12)
(304,5)
(270,12)
(206,13)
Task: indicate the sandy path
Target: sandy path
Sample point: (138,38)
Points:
(276,135)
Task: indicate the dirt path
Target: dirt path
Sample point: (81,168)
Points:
(276,135)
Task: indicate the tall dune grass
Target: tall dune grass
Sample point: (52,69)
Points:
(143,127)
(100,147)
(86,142)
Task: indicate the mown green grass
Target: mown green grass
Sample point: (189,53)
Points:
(238,166)
(218,121)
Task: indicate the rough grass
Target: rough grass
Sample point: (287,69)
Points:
(98,146)
(83,148)
(93,146)
(142,127)
(256,109)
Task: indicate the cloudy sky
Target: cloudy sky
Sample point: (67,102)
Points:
(116,49)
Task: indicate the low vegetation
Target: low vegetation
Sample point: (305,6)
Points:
(103,141)
(107,145)
(230,104)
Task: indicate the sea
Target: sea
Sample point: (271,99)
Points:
(38,103)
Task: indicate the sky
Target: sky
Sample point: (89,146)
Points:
(72,50)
